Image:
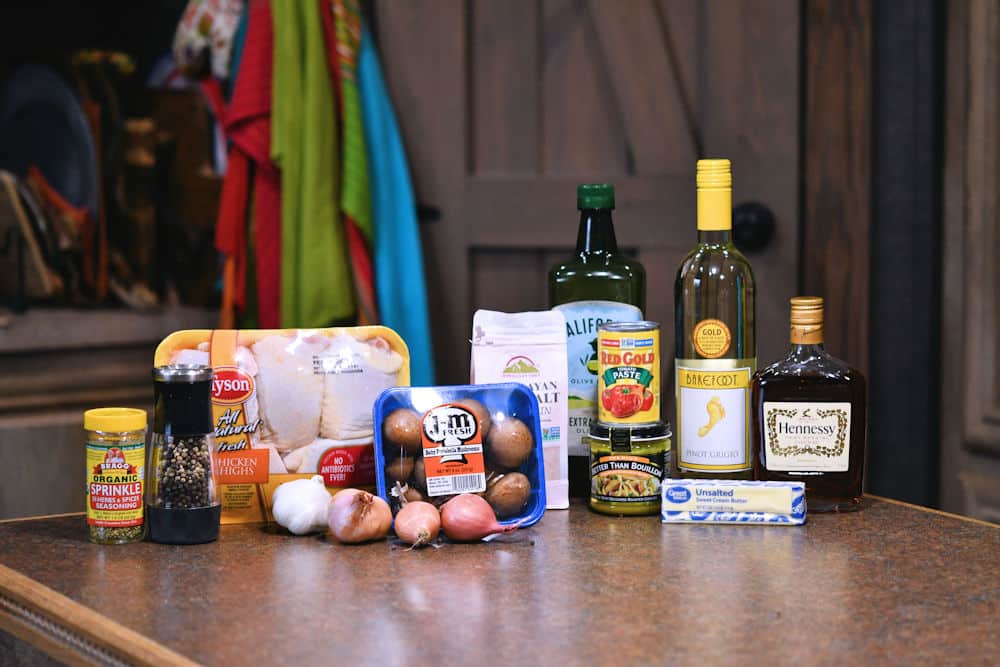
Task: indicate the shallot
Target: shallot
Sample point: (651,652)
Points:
(418,523)
(467,518)
(358,516)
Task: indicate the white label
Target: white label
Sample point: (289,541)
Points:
(712,416)
(582,320)
(807,437)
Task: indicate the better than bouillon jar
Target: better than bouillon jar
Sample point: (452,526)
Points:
(627,465)
(116,460)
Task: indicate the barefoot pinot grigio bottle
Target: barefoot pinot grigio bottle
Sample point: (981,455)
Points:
(715,350)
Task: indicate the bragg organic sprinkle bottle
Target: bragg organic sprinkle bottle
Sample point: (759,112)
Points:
(116,461)
(597,284)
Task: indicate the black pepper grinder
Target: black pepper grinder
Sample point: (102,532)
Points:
(182,503)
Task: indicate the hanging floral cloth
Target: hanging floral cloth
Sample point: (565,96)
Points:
(342,27)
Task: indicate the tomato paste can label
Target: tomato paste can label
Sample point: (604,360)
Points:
(115,474)
(453,451)
(628,381)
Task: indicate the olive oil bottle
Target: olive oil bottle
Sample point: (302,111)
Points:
(715,351)
(597,284)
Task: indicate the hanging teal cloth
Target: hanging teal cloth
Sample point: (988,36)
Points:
(399,264)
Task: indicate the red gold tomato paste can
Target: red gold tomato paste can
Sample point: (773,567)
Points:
(628,372)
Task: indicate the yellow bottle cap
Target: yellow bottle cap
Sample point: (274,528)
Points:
(715,195)
(714,174)
(114,420)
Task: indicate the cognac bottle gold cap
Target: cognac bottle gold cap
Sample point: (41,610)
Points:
(807,310)
(714,174)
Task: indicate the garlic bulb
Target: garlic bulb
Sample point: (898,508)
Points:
(301,505)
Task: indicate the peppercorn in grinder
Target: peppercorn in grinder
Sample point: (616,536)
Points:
(182,503)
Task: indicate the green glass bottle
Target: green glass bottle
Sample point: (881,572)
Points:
(715,350)
(596,284)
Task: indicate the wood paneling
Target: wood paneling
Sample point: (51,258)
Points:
(425,71)
(837,170)
(751,49)
(574,78)
(504,67)
(970,425)
(56,363)
(506,107)
(637,59)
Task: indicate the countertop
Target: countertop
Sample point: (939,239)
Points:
(892,583)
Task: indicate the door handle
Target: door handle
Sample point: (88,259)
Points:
(753,226)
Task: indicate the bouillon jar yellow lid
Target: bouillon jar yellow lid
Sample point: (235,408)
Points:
(114,420)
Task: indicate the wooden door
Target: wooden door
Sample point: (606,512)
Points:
(970,342)
(505,106)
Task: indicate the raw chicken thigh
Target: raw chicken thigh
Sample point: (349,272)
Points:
(289,391)
(355,373)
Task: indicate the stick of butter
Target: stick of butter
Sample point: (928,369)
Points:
(732,501)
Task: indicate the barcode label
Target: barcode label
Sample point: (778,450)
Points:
(443,486)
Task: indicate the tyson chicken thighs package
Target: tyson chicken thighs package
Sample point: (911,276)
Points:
(291,403)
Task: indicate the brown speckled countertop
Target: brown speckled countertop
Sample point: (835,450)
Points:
(890,584)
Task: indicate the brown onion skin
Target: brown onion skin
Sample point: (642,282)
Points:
(469,518)
(418,523)
(356,516)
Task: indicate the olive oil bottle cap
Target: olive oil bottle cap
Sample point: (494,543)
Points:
(595,195)
(715,195)
(806,320)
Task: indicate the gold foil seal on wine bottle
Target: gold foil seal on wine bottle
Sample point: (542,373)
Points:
(806,320)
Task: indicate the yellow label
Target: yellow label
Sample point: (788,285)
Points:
(715,209)
(115,483)
(713,414)
(628,379)
(711,338)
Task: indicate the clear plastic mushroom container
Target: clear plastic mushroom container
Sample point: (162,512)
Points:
(433,443)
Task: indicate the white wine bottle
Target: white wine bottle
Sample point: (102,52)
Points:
(715,351)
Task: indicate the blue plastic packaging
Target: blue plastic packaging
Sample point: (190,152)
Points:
(502,401)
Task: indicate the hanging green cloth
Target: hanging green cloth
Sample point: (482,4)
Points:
(316,288)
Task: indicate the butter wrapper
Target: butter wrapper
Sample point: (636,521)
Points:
(732,501)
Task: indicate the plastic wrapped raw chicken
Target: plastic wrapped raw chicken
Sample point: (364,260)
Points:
(291,403)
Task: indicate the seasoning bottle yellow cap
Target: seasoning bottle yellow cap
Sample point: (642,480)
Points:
(114,420)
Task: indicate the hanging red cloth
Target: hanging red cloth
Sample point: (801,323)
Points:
(247,123)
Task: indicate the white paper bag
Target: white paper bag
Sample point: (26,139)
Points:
(530,348)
